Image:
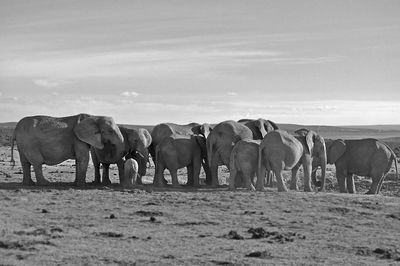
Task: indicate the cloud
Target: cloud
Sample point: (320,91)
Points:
(45,83)
(134,63)
(232,93)
(130,94)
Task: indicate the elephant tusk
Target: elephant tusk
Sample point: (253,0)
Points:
(140,154)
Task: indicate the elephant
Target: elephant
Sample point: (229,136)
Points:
(224,136)
(316,163)
(131,169)
(176,152)
(244,160)
(280,151)
(363,157)
(165,130)
(136,141)
(52,140)
(259,127)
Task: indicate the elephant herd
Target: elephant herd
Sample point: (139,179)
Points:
(253,150)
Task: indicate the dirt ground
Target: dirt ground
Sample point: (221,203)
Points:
(65,225)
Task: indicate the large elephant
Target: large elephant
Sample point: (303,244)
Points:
(243,162)
(164,130)
(316,162)
(176,152)
(363,157)
(281,151)
(50,140)
(136,141)
(224,136)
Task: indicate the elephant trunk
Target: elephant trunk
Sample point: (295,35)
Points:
(323,175)
(210,145)
(142,159)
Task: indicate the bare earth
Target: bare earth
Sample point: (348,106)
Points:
(63,225)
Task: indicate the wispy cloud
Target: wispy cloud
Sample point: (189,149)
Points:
(45,83)
(143,63)
(130,94)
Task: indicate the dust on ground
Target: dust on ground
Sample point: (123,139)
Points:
(65,225)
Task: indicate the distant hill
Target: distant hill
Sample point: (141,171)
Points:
(349,132)
(8,124)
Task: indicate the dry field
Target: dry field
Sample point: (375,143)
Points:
(64,225)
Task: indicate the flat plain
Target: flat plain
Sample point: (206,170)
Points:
(107,225)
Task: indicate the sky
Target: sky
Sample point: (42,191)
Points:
(147,62)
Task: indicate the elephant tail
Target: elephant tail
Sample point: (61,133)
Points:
(12,161)
(395,164)
(394,158)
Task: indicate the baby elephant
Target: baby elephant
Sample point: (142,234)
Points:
(363,157)
(243,163)
(176,152)
(131,169)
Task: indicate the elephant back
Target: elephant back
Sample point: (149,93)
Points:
(236,131)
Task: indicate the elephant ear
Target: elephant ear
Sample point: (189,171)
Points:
(310,139)
(265,126)
(302,131)
(145,136)
(88,131)
(271,126)
(336,150)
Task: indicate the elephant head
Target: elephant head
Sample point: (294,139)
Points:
(203,129)
(260,127)
(100,132)
(138,141)
(317,148)
(335,151)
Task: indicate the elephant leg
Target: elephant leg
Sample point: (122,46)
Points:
(307,176)
(232,178)
(239,180)
(106,174)
(159,176)
(196,172)
(207,172)
(174,177)
(26,170)
(247,176)
(81,164)
(341,175)
(351,188)
(293,181)
(121,174)
(214,175)
(279,179)
(189,170)
(97,176)
(139,180)
(39,175)
(375,184)
(261,178)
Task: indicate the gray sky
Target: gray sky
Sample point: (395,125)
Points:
(146,62)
